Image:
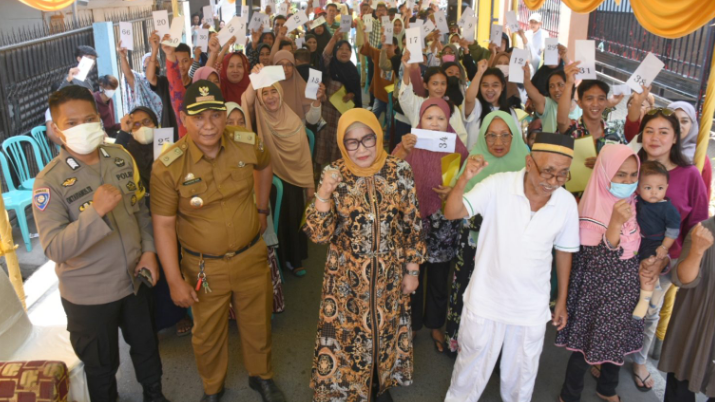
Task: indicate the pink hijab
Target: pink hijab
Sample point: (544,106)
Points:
(597,202)
(427,165)
(203,74)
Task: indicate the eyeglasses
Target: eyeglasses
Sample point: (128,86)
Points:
(492,138)
(367,141)
(547,175)
(146,123)
(662,110)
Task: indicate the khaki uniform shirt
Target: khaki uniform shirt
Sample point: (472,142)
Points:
(223,217)
(95,256)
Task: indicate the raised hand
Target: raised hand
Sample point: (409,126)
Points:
(154,41)
(701,238)
(622,212)
(571,70)
(475,164)
(408,142)
(329,182)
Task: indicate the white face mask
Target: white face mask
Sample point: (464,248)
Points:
(144,135)
(84,138)
(504,69)
(109,93)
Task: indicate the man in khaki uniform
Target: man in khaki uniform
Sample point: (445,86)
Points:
(202,190)
(88,207)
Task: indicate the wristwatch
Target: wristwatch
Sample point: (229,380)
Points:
(263,211)
(414,272)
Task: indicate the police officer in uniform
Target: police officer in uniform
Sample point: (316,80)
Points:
(87,204)
(202,189)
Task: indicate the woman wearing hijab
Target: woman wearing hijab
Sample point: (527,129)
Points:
(398,25)
(366,210)
(689,129)
(502,145)
(259,38)
(234,76)
(604,287)
(339,71)
(207,73)
(441,235)
(235,116)
(283,134)
(316,59)
(322,36)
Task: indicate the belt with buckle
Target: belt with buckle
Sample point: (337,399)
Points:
(229,254)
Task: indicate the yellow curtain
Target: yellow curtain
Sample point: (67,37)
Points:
(48,5)
(706,120)
(533,4)
(586,6)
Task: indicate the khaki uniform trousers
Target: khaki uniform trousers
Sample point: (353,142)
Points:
(244,281)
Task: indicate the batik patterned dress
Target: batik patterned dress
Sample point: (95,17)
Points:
(373,229)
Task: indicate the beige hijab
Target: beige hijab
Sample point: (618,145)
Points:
(293,88)
(284,135)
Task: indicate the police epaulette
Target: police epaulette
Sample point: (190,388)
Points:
(170,156)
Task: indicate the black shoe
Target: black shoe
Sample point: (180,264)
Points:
(267,388)
(152,393)
(213,397)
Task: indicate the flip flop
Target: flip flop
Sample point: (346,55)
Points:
(437,344)
(641,388)
(189,324)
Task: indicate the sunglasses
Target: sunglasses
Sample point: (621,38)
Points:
(662,110)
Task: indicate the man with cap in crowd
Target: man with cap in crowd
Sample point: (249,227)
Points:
(536,40)
(526,215)
(94,224)
(202,191)
(81,52)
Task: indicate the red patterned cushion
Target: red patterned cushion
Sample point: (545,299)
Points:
(34,381)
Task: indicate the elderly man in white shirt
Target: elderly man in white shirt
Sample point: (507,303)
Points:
(536,41)
(526,215)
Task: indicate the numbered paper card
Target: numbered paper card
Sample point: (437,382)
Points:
(283,9)
(468,13)
(85,65)
(346,23)
(435,141)
(512,22)
(299,42)
(519,57)
(496,34)
(314,80)
(268,76)
(162,138)
(645,73)
(161,22)
(296,20)
(551,52)
(427,28)
(126,35)
(235,28)
(414,44)
(244,12)
(209,15)
(468,28)
(384,20)
(367,19)
(256,21)
(317,22)
(202,39)
(441,22)
(622,89)
(177,28)
(389,32)
(586,54)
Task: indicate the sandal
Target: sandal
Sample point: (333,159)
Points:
(644,387)
(299,272)
(605,398)
(184,326)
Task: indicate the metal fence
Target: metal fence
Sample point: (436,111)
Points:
(550,13)
(623,43)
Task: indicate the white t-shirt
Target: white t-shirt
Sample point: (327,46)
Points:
(511,283)
(537,44)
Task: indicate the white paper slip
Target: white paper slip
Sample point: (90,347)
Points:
(126,35)
(425,4)
(209,15)
(244,12)
(161,22)
(256,21)
(435,141)
(296,20)
(417,24)
(413,37)
(441,22)
(177,28)
(427,28)
(468,28)
(85,65)
(367,19)
(162,136)
(313,84)
(622,89)
(373,4)
(202,39)
(316,3)
(265,4)
(467,13)
(586,54)
(299,42)
(551,52)
(389,32)
(519,57)
(645,73)
(283,9)
(495,35)
(512,22)
(384,20)
(235,28)
(317,22)
(346,23)
(268,76)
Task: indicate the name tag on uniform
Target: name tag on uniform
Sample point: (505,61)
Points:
(191,181)
(244,137)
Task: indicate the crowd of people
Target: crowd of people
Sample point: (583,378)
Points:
(140,239)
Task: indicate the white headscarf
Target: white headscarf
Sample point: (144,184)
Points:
(689,142)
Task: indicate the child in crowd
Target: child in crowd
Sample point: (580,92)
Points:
(659,221)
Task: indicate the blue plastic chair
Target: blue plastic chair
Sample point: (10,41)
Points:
(277,214)
(39,134)
(17,200)
(16,153)
(311,140)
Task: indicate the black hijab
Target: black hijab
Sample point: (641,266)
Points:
(347,74)
(323,39)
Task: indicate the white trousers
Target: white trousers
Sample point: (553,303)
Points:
(480,341)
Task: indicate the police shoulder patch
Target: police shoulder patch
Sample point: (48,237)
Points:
(167,158)
(41,198)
